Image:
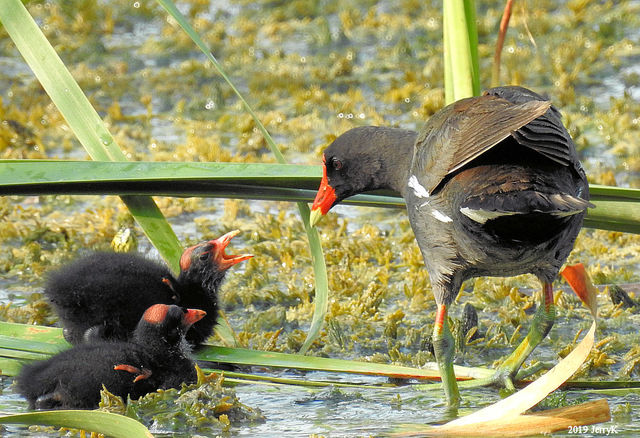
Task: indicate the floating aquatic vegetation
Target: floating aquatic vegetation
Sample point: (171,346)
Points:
(311,80)
(205,407)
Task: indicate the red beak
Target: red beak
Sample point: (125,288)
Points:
(225,261)
(325,198)
(192,316)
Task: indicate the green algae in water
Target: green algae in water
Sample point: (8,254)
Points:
(313,72)
(205,407)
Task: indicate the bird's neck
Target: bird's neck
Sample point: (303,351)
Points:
(205,282)
(396,152)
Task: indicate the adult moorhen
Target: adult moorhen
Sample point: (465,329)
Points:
(103,295)
(155,357)
(493,187)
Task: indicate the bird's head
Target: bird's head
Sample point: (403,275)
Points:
(206,263)
(211,254)
(163,323)
(350,165)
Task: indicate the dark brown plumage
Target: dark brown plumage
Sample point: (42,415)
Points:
(493,187)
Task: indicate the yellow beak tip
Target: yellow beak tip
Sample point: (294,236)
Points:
(314,217)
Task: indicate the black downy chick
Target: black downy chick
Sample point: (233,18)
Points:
(103,295)
(156,357)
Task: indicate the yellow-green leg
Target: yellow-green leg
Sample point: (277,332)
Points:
(444,345)
(540,327)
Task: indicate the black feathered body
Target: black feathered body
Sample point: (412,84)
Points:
(493,185)
(103,295)
(108,293)
(72,379)
(516,208)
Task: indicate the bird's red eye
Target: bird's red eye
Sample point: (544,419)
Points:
(337,164)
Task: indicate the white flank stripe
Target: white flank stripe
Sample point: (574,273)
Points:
(441,216)
(418,189)
(482,216)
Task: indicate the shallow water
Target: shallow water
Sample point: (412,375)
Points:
(314,70)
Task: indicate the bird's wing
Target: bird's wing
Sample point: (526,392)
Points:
(466,129)
(546,134)
(548,137)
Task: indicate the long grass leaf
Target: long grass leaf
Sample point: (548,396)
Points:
(458,57)
(241,356)
(20,354)
(106,423)
(32,345)
(82,118)
(611,193)
(614,216)
(321,299)
(253,378)
(447,54)
(37,333)
(49,340)
(602,384)
(472,32)
(534,424)
(617,209)
(10,366)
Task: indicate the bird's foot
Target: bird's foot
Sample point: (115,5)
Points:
(443,346)
(92,334)
(540,327)
(71,336)
(503,378)
(52,400)
(525,373)
(141,373)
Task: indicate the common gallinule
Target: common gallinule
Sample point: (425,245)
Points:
(493,187)
(155,357)
(103,295)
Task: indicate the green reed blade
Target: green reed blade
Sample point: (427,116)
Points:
(243,356)
(36,333)
(106,423)
(617,209)
(254,378)
(49,340)
(21,354)
(83,119)
(321,299)
(11,366)
(460,50)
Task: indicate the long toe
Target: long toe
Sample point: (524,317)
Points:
(52,400)
(503,378)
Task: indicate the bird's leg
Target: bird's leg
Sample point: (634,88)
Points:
(541,325)
(141,372)
(95,333)
(48,401)
(444,346)
(71,336)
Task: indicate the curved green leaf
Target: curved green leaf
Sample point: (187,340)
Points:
(83,119)
(617,208)
(460,50)
(113,425)
(319,268)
